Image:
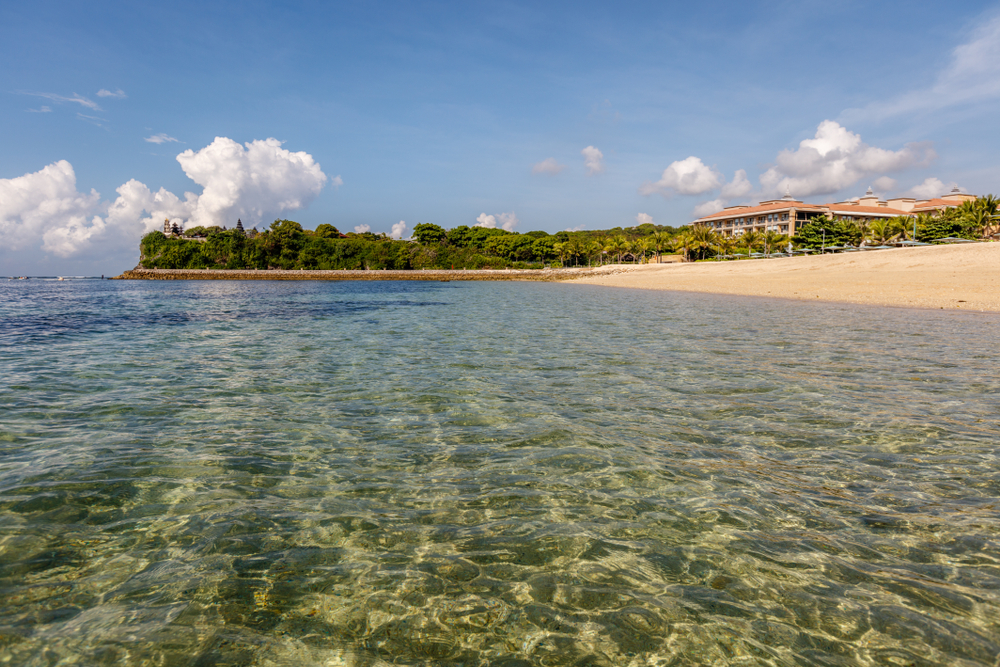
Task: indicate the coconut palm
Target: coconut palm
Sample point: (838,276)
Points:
(702,240)
(725,244)
(617,246)
(773,240)
(753,239)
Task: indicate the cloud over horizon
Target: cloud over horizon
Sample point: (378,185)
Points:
(836,158)
(507,221)
(43,209)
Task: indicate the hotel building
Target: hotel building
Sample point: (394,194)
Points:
(787,215)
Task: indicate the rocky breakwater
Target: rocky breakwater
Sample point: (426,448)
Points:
(278,274)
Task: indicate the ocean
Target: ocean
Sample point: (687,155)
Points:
(495,474)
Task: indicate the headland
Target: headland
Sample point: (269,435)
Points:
(378,274)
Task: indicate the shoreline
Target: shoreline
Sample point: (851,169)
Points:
(439,275)
(953,277)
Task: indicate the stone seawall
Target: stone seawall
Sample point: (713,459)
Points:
(275,274)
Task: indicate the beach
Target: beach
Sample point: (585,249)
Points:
(965,277)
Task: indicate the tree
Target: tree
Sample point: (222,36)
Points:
(428,234)
(326,231)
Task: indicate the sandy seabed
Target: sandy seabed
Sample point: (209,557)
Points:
(965,277)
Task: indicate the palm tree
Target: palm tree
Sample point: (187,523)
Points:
(881,230)
(752,238)
(702,240)
(616,246)
(661,241)
(591,249)
(684,242)
(772,240)
(725,244)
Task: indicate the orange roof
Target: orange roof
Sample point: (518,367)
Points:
(853,208)
(935,203)
(762,208)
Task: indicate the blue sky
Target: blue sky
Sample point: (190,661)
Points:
(454,112)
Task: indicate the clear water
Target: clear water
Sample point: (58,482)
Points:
(211,473)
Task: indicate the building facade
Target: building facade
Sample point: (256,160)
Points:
(787,215)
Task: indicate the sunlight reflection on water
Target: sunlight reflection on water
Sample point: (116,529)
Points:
(491,474)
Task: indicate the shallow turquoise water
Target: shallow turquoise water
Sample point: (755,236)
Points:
(214,473)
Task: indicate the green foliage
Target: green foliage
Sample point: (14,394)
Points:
(286,245)
(428,234)
(326,231)
(821,231)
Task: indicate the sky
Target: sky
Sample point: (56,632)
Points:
(521,115)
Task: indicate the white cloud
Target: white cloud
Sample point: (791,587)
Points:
(362,229)
(740,186)
(398,230)
(34,207)
(336,182)
(43,209)
(160,138)
(255,183)
(709,207)
(118,94)
(76,99)
(593,160)
(884,184)
(548,166)
(930,188)
(971,76)
(508,221)
(644,219)
(836,158)
(578,228)
(44,109)
(689,176)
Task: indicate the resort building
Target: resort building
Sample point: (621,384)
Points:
(787,215)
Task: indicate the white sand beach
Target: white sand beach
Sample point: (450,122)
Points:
(965,277)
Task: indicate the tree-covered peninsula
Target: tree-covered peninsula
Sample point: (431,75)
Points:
(286,245)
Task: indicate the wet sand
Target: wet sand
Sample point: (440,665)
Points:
(965,277)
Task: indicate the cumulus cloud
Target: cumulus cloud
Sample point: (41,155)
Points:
(118,94)
(336,182)
(836,158)
(76,99)
(644,219)
(507,221)
(253,183)
(398,230)
(256,183)
(740,186)
(548,166)
(689,176)
(930,188)
(362,229)
(709,207)
(593,160)
(578,228)
(44,206)
(884,184)
(972,75)
(161,138)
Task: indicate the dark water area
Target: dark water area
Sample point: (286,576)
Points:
(495,474)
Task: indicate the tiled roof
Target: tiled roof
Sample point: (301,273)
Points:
(763,208)
(935,204)
(852,208)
